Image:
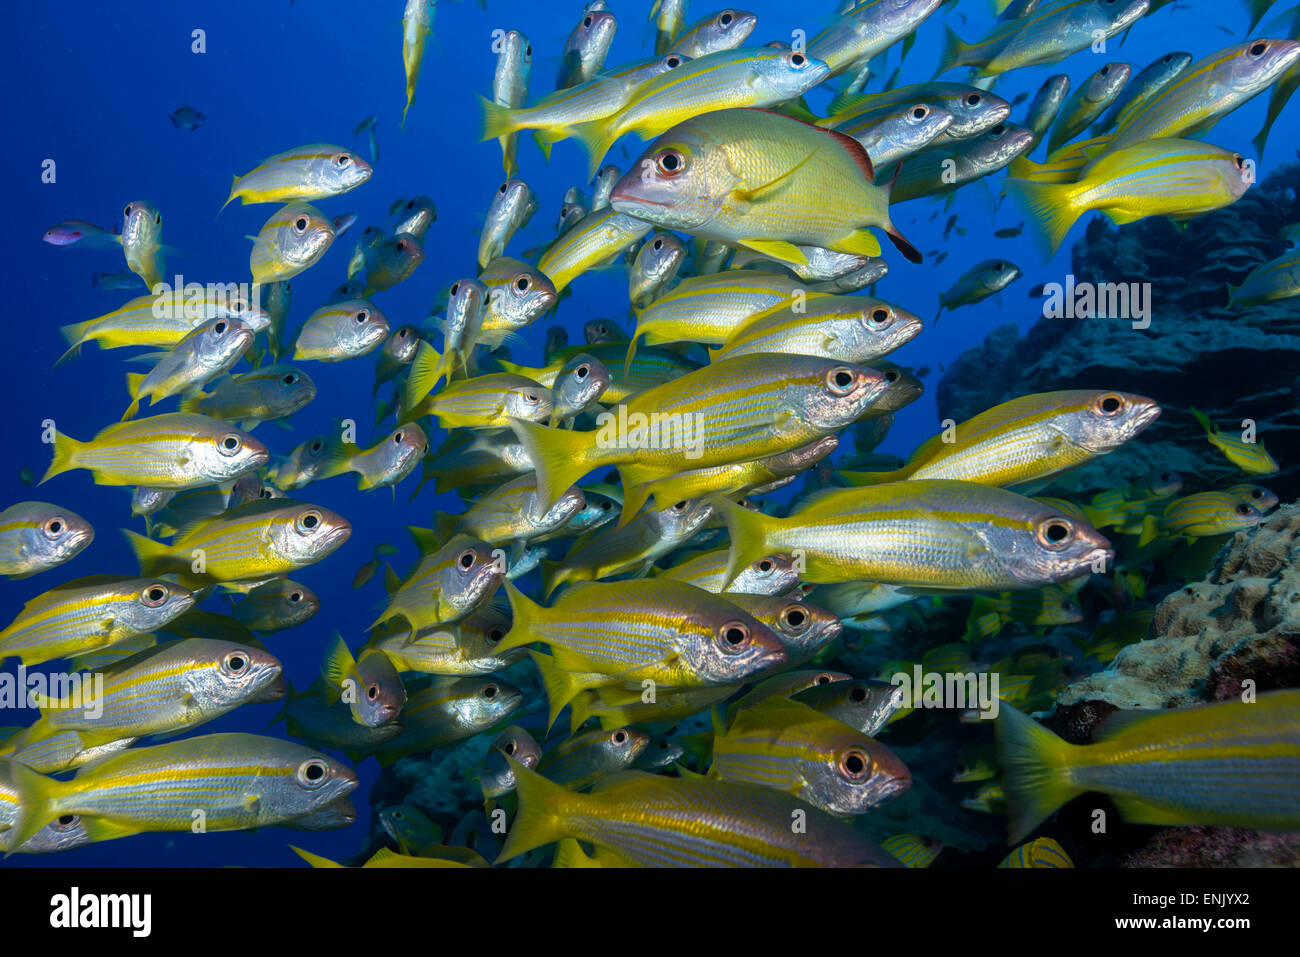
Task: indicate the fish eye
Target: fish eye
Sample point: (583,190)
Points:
(522,283)
(879,316)
(229,444)
(219,328)
(658,244)
(891,375)
(673,62)
(154,595)
(490,691)
(54,527)
(797,60)
(764,565)
(455,287)
(127,211)
(1258,47)
(495,635)
(530,397)
(397,438)
(973,99)
(734,633)
(854,764)
(857,694)
(504,187)
(1256,493)
(401,246)
(290,378)
(1104,70)
(840,381)
(157,219)
(619,737)
(680,506)
(586,21)
(300,224)
(1109,404)
(795,617)
(295,597)
(313,773)
(1055,532)
(342,160)
(372,692)
(66,822)
(235,663)
(1245,509)
(309,521)
(467,559)
(265,493)
(822,679)
(317,446)
(920,112)
(528,52)
(582,371)
(670,162)
(997,131)
(1239,160)
(998,267)
(362,316)
(726,18)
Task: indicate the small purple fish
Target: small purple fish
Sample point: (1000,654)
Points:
(343,223)
(73,231)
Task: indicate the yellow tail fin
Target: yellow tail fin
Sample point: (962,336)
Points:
(559,456)
(538,821)
(1035,770)
(65,457)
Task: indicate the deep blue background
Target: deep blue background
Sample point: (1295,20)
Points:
(89,86)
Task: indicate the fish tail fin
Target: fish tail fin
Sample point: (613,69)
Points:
(498,120)
(581,706)
(1035,770)
(561,687)
(953,49)
(1050,206)
(338,664)
(537,822)
(597,136)
(423,376)
(748,530)
(631,350)
(35,793)
(148,553)
(560,457)
(1150,531)
(1203,419)
(234,191)
(133,382)
(315,860)
(65,456)
(910,252)
(524,613)
(634,497)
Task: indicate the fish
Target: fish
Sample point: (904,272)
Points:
(913,850)
(515,743)
(1200,515)
(1248,455)
(773,404)
(383,465)
(778,166)
(141,240)
(585,50)
(410,827)
(929,533)
(265,394)
(616,633)
(207,352)
(510,88)
(804,629)
(1230,763)
(417,25)
(344,330)
(770,575)
(1047,104)
(982,280)
(114,280)
(580,760)
(276,605)
(850,328)
(749,77)
(895,132)
(669,17)
(1040,852)
(511,514)
(301,466)
(250,543)
(1088,102)
(784,744)
(517,294)
(867,28)
(168,689)
(175,450)
(413,216)
(301,175)
(656,821)
(973,110)
(864,704)
(38,536)
(1048,35)
(74,232)
(291,241)
(89,614)
(1153,78)
(1154,177)
(487,401)
(444,711)
(238,780)
(942,169)
(649,368)
(446,585)
(186,118)
(395,259)
(1028,439)
(725,30)
(368,684)
(468,647)
(581,382)
(1279,278)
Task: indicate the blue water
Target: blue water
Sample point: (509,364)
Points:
(89,85)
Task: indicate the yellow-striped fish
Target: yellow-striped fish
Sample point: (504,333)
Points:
(293,239)
(37,536)
(303,174)
(1250,457)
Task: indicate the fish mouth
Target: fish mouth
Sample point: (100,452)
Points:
(274,690)
(1146,416)
(333,537)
